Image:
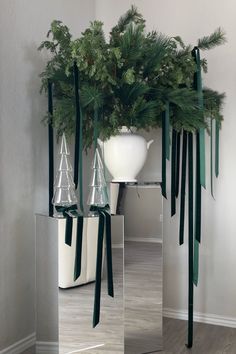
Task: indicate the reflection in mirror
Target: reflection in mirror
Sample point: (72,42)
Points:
(76,303)
(67,305)
(142,208)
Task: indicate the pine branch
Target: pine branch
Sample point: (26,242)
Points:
(128,94)
(130,42)
(181,119)
(204,65)
(155,51)
(132,15)
(91,97)
(179,40)
(215,39)
(213,103)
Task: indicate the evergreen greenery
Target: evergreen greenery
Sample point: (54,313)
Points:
(128,79)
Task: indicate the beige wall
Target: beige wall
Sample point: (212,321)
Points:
(23,150)
(216,293)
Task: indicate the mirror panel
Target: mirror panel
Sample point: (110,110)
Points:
(142,208)
(76,332)
(131,322)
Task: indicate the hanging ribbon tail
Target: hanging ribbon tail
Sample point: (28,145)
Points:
(167,130)
(202,157)
(163,182)
(173,172)
(198,87)
(177,164)
(69,225)
(198,191)
(81,197)
(77,125)
(211,158)
(110,286)
(183,187)
(190,243)
(97,298)
(79,244)
(217,145)
(50,149)
(95,130)
(196,263)
(198,211)
(78,154)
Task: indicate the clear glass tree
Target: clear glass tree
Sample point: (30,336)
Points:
(98,194)
(64,187)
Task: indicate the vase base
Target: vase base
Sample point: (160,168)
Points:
(124,180)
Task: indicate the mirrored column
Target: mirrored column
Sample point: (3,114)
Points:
(142,207)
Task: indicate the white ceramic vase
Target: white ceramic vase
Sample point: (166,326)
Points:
(125,154)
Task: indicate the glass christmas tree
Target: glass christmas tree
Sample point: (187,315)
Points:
(98,195)
(64,187)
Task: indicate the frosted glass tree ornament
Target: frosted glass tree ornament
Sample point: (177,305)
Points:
(64,187)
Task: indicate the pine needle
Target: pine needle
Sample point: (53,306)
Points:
(215,39)
(131,16)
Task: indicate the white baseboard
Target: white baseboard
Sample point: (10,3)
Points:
(20,346)
(47,347)
(52,348)
(217,320)
(144,239)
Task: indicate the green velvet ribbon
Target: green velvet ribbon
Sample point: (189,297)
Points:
(95,131)
(81,197)
(200,166)
(70,213)
(177,164)
(202,157)
(198,86)
(198,203)
(163,170)
(196,262)
(97,297)
(104,223)
(217,143)
(50,149)
(110,286)
(183,187)
(211,157)
(78,249)
(78,154)
(190,240)
(167,130)
(173,172)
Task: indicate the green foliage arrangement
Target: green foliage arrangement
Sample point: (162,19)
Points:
(128,79)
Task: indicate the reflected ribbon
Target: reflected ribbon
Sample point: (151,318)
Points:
(50,149)
(70,213)
(104,224)
(165,146)
(78,154)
